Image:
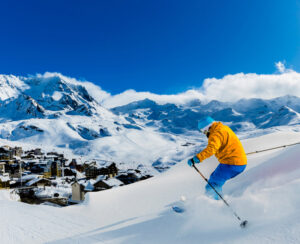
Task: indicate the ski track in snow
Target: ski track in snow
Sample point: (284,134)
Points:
(267,194)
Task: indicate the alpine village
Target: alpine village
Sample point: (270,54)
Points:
(37,177)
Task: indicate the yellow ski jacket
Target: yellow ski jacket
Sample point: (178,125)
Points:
(225,145)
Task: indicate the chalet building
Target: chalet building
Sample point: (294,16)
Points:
(77,192)
(37,151)
(73,164)
(28,165)
(53,169)
(69,172)
(6,147)
(5,154)
(103,184)
(128,178)
(4,184)
(28,157)
(57,169)
(2,167)
(39,182)
(79,168)
(37,169)
(111,171)
(8,153)
(11,162)
(17,151)
(55,154)
(87,165)
(4,181)
(13,167)
(15,173)
(91,171)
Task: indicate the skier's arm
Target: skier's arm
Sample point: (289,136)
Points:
(214,143)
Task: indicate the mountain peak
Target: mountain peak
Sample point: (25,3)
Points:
(11,86)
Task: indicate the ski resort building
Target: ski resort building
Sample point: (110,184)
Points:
(2,167)
(77,192)
(39,182)
(92,170)
(53,169)
(4,181)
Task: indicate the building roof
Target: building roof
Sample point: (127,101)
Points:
(32,182)
(4,178)
(99,178)
(113,182)
(89,186)
(29,177)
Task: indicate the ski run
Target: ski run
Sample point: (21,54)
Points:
(267,194)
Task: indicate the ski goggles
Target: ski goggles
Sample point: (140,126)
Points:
(205,132)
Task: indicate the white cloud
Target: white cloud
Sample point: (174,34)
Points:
(131,96)
(280,67)
(229,88)
(235,87)
(96,92)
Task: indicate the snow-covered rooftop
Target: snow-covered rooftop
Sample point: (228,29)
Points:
(4,178)
(113,182)
(33,181)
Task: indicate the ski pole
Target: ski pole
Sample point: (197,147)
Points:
(242,223)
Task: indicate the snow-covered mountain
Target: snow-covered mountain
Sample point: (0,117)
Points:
(54,111)
(55,98)
(34,97)
(61,113)
(242,115)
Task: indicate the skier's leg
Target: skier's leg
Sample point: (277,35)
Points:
(218,178)
(217,181)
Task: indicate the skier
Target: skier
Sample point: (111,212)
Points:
(225,145)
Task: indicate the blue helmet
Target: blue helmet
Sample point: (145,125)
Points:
(204,123)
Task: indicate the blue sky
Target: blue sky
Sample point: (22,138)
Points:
(158,46)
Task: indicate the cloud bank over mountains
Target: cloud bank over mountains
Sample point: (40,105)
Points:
(234,87)
(230,88)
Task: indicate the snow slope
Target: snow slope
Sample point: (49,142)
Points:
(267,194)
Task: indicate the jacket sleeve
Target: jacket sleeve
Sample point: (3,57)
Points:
(214,143)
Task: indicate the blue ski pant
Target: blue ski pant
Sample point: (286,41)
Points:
(218,178)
